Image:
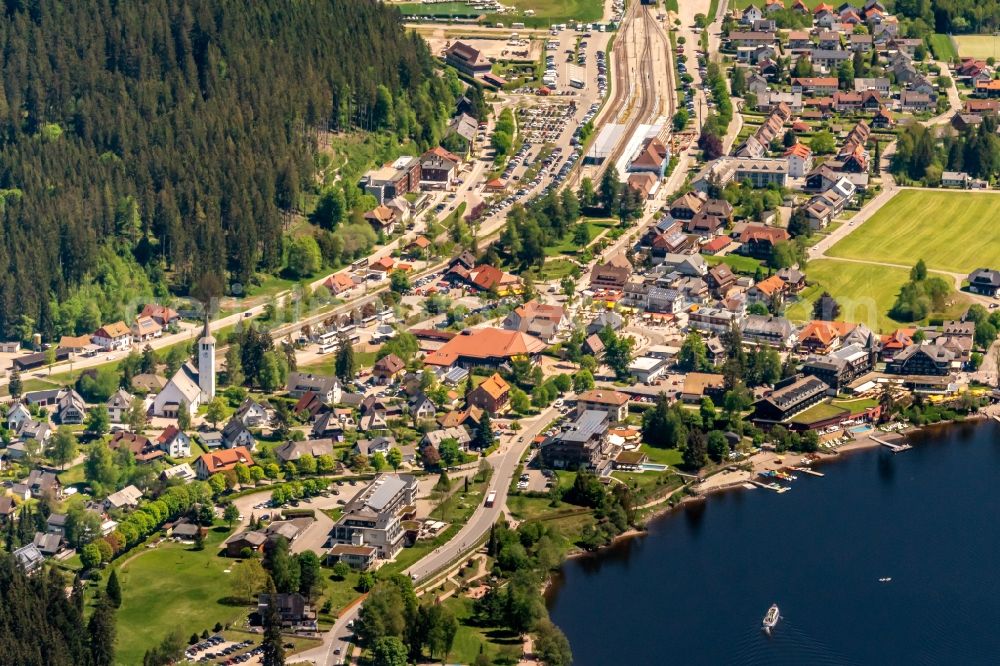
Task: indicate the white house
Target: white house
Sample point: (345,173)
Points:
(252,413)
(174,442)
(118,405)
(799,160)
(17,415)
(113,337)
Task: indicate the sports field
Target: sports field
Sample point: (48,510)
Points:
(950,230)
(978,46)
(865,293)
(546,11)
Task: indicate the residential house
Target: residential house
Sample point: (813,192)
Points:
(294,610)
(815,86)
(236,435)
(143,449)
(388,369)
(43,484)
(769,330)
(917,102)
(161,314)
(581,444)
(247,541)
(758,240)
(328,388)
(984,281)
(70,408)
(174,442)
(435,437)
(611,275)
(799,160)
(126,498)
(252,413)
(113,337)
(145,328)
(614,403)
(17,415)
(491,395)
(118,405)
(720,278)
(794,279)
(222,460)
(422,407)
(686,206)
(438,166)
(822,337)
(360,558)
(382,219)
(292,451)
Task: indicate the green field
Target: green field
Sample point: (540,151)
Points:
(978,46)
(942,47)
(820,412)
(951,231)
(172,587)
(546,11)
(865,292)
(737,262)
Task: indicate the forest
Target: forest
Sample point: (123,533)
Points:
(161,147)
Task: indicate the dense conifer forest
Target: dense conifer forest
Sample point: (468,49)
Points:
(146,145)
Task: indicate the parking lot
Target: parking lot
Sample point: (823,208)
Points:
(217,650)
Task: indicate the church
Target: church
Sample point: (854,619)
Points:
(190,386)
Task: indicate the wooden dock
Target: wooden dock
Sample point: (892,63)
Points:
(806,470)
(895,448)
(772,486)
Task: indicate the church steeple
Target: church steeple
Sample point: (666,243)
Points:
(206,363)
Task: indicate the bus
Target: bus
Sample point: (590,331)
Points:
(577,83)
(491,498)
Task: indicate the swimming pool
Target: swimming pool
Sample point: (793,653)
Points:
(861,429)
(652,467)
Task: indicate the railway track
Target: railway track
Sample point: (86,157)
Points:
(636,100)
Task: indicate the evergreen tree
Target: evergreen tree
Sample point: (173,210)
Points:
(272,646)
(15,386)
(101,633)
(344,365)
(114,590)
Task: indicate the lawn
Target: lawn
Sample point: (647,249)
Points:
(856,406)
(951,231)
(662,456)
(737,262)
(172,587)
(978,46)
(865,292)
(943,47)
(820,412)
(555,269)
(471,638)
(568,246)
(546,11)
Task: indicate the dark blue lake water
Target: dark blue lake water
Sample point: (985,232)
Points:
(694,590)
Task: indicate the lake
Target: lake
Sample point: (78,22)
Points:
(695,588)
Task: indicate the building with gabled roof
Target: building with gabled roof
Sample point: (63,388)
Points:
(491,395)
(221,460)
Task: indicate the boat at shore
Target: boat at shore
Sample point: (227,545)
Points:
(770,619)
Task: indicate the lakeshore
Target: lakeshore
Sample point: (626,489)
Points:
(875,515)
